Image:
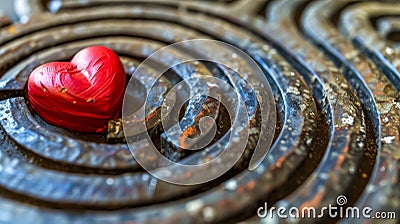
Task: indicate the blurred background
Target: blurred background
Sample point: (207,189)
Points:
(7,7)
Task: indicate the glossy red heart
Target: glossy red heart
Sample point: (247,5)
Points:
(81,95)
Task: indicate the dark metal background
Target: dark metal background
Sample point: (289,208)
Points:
(333,67)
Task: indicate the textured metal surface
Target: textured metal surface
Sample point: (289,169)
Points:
(383,96)
(337,95)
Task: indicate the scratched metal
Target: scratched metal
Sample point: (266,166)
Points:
(323,135)
(299,115)
(335,174)
(356,26)
(26,134)
(378,96)
(380,194)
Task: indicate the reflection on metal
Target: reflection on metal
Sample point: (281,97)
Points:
(336,92)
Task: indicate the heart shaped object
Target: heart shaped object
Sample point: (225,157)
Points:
(81,95)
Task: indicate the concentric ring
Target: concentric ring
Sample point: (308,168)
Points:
(336,98)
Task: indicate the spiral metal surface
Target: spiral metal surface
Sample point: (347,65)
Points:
(333,68)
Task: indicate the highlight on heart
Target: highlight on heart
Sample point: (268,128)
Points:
(80,95)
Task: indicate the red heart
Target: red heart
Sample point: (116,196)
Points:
(81,95)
